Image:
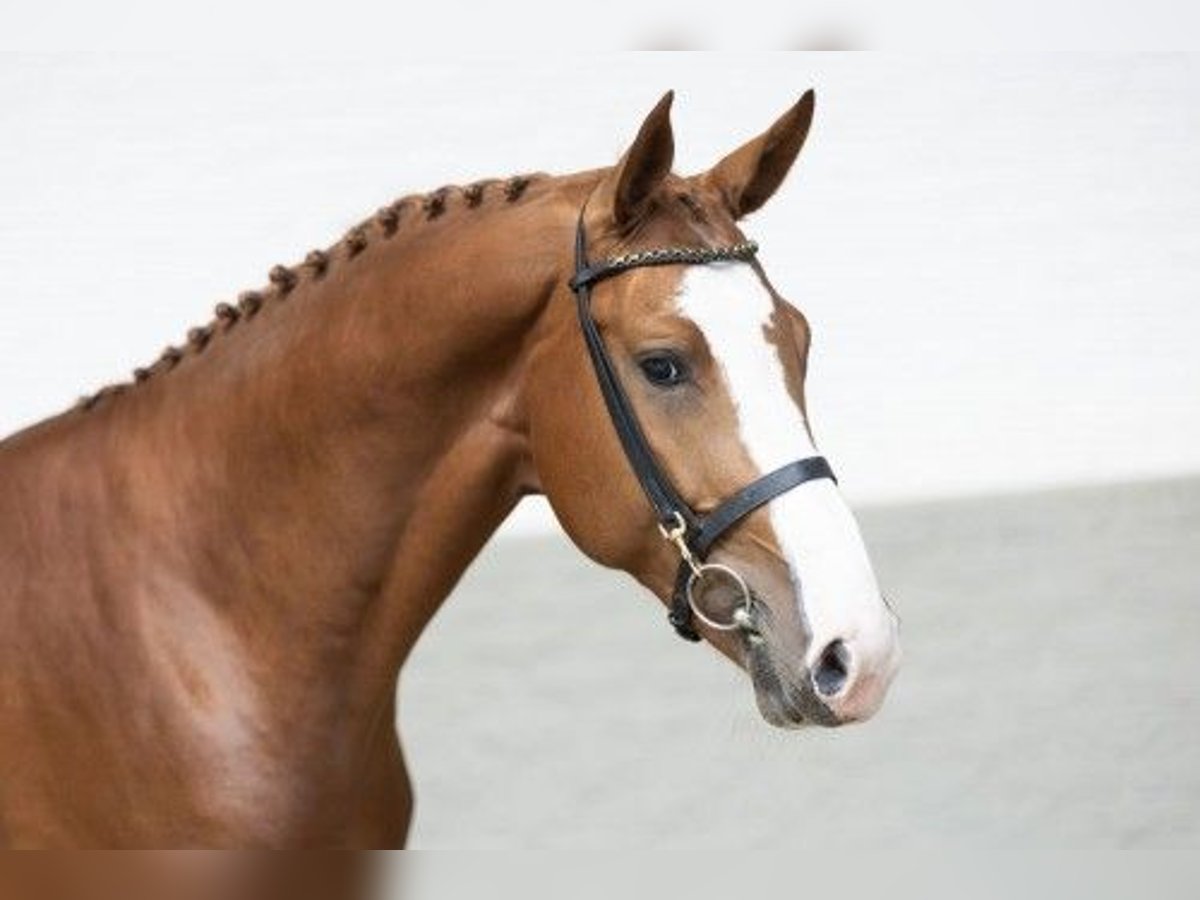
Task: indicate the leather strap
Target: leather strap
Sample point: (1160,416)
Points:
(701,532)
(752,496)
(586,275)
(657,487)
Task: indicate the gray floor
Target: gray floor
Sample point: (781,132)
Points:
(1050,694)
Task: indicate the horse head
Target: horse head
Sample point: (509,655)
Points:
(700,365)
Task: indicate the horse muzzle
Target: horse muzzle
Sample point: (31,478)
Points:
(845,680)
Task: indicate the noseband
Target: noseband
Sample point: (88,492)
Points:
(693,534)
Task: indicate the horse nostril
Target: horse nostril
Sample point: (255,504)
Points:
(832,669)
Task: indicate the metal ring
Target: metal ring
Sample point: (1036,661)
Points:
(740,616)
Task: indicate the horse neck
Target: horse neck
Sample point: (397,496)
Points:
(321,474)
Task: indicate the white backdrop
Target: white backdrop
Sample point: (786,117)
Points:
(1000,254)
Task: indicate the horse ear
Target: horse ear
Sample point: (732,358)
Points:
(748,176)
(627,189)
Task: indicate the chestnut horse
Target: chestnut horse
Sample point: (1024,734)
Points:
(210,577)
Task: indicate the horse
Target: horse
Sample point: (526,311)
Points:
(212,574)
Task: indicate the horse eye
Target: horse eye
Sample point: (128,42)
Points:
(664,369)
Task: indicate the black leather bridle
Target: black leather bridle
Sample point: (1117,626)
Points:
(693,534)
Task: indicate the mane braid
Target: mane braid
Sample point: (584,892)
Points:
(385,223)
(317,261)
(250,302)
(283,278)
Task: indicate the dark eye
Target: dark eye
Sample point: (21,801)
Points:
(664,369)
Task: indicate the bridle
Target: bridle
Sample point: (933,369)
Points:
(693,534)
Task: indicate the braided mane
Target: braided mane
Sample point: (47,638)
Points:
(383,225)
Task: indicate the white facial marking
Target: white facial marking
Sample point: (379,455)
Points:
(835,585)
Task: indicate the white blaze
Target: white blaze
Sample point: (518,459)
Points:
(835,585)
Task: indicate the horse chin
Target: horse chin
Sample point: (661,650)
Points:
(778,712)
(781,703)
